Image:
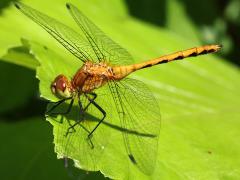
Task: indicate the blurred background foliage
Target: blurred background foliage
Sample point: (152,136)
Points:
(216,20)
(22,109)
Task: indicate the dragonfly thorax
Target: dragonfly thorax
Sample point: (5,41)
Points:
(92,76)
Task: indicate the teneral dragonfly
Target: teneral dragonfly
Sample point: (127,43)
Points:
(105,63)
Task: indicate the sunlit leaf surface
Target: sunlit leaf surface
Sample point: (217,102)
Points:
(199,97)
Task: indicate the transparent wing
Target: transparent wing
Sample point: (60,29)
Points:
(139,113)
(76,145)
(139,124)
(105,49)
(70,39)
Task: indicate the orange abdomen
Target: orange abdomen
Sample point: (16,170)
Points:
(122,71)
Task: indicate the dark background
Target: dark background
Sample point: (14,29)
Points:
(220,16)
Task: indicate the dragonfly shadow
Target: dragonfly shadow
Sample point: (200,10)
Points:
(119,128)
(88,117)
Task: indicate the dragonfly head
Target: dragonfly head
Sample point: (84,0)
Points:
(61,87)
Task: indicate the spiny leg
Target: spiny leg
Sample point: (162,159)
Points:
(90,102)
(71,127)
(101,110)
(61,113)
(94,97)
(82,111)
(56,104)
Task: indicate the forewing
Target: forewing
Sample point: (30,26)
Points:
(139,113)
(105,49)
(70,39)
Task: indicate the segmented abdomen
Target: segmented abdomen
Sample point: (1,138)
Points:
(123,71)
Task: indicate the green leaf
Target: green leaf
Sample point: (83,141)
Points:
(27,152)
(199,99)
(21,56)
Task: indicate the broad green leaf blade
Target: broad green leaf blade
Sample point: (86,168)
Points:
(199,97)
(14,25)
(35,158)
(50,70)
(20,56)
(73,146)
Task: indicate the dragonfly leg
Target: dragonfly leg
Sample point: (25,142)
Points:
(61,113)
(71,128)
(58,104)
(82,112)
(91,101)
(90,141)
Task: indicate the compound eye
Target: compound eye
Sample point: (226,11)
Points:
(63,86)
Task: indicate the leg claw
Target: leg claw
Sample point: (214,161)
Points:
(89,140)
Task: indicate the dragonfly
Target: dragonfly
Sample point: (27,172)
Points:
(107,64)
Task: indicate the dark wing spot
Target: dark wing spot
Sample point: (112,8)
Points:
(17,6)
(68,6)
(162,62)
(132,159)
(209,152)
(179,58)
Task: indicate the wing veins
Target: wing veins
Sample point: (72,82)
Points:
(126,140)
(37,17)
(75,12)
